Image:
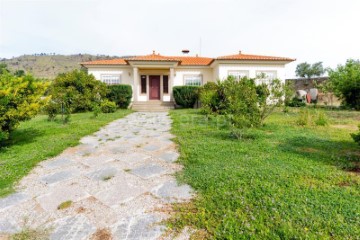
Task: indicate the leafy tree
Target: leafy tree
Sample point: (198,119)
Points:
(345,80)
(3,68)
(74,91)
(244,103)
(19,73)
(20,100)
(308,71)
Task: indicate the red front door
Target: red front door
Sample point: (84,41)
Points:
(154,87)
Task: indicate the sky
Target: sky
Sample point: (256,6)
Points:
(308,30)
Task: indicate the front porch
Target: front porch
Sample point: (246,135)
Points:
(152,106)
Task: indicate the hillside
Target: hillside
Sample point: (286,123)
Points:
(49,65)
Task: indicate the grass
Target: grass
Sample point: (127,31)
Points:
(39,139)
(284,182)
(64,205)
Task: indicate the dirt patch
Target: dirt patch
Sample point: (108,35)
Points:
(355,167)
(342,126)
(102,234)
(347,183)
(80,210)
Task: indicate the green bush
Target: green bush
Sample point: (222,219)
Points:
(186,96)
(295,102)
(356,136)
(211,98)
(107,106)
(75,91)
(304,118)
(20,100)
(345,81)
(120,94)
(321,119)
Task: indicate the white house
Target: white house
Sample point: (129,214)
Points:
(153,76)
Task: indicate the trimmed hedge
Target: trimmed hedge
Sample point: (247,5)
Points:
(120,94)
(186,96)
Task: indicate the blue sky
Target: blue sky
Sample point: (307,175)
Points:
(309,30)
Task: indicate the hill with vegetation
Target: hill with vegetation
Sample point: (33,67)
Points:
(48,66)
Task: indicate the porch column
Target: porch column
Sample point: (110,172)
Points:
(136,83)
(171,82)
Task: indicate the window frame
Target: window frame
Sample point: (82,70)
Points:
(141,84)
(247,72)
(193,75)
(167,85)
(102,76)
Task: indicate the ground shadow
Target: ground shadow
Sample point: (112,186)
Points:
(342,154)
(21,137)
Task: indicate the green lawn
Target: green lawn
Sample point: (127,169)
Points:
(283,182)
(39,139)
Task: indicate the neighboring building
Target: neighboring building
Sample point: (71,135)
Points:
(153,76)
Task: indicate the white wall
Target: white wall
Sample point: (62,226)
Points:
(223,69)
(125,72)
(207,75)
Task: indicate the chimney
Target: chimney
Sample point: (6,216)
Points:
(240,52)
(185,51)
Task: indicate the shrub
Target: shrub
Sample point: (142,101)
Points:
(75,91)
(321,119)
(211,98)
(356,136)
(107,106)
(241,102)
(120,94)
(186,96)
(295,102)
(20,100)
(304,118)
(345,80)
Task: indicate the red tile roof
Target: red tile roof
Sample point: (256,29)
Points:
(241,56)
(194,61)
(185,60)
(117,61)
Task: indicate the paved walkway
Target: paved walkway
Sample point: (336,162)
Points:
(119,180)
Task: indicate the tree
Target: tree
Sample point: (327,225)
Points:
(3,68)
(20,100)
(308,71)
(345,80)
(74,91)
(19,73)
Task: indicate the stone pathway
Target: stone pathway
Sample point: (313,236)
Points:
(119,180)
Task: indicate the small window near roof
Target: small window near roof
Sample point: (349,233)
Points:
(111,79)
(143,83)
(238,74)
(165,84)
(193,80)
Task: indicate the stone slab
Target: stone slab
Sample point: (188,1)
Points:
(172,192)
(12,200)
(72,228)
(102,174)
(57,177)
(57,162)
(145,227)
(148,171)
(169,156)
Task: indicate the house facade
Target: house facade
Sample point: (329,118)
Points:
(153,76)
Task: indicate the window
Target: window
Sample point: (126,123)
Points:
(193,80)
(143,84)
(238,74)
(165,84)
(111,79)
(266,76)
